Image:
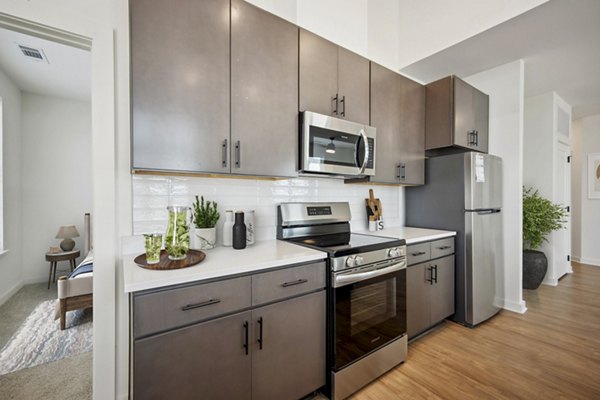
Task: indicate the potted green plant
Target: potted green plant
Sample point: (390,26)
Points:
(205,217)
(540,217)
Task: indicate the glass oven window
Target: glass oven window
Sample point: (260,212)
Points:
(368,315)
(372,305)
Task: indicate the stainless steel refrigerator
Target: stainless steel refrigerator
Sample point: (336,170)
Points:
(463,193)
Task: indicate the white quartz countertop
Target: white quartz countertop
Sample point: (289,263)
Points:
(219,262)
(413,235)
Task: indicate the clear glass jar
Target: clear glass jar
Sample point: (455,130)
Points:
(177,239)
(153,242)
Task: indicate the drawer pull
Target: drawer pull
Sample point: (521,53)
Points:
(418,253)
(444,247)
(294,283)
(198,305)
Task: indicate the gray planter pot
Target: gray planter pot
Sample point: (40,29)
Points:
(535,265)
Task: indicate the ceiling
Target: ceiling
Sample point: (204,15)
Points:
(558,40)
(67,74)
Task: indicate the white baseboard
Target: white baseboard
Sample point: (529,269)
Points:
(550,281)
(514,306)
(35,279)
(588,261)
(4,298)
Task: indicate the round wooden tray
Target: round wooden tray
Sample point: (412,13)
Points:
(193,257)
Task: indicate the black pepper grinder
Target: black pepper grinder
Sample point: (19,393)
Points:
(239,231)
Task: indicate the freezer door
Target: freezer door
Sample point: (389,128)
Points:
(483,181)
(484,256)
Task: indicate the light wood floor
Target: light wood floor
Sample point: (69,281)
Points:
(550,352)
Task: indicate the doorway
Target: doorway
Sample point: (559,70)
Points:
(562,195)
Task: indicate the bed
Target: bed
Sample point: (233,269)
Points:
(75,290)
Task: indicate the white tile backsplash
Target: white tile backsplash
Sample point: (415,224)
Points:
(152,194)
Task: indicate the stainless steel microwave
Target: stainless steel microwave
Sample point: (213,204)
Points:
(336,146)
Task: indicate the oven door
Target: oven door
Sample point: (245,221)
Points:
(335,146)
(370,310)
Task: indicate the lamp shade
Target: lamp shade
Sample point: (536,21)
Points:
(67,232)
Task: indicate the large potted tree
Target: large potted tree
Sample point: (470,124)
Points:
(540,217)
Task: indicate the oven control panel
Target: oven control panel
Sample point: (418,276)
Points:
(353,261)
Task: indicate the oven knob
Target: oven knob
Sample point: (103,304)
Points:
(395,252)
(358,260)
(351,261)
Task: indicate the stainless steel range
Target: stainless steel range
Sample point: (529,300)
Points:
(366,315)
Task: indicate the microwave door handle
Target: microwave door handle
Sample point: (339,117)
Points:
(366,159)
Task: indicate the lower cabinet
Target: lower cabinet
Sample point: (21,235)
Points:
(204,361)
(274,348)
(288,353)
(429,292)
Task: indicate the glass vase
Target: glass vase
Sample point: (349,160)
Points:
(177,239)
(153,242)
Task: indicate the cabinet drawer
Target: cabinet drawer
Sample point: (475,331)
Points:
(159,311)
(418,253)
(443,247)
(288,282)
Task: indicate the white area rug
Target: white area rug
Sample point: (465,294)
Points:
(39,340)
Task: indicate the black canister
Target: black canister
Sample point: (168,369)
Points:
(239,231)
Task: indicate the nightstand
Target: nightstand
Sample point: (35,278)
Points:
(54,258)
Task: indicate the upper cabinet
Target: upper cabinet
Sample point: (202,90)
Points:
(180,84)
(333,81)
(264,92)
(398,114)
(198,108)
(456,116)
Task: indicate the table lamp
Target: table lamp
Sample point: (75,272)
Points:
(66,233)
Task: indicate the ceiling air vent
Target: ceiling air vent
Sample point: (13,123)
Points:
(34,54)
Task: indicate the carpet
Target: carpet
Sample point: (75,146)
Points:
(39,340)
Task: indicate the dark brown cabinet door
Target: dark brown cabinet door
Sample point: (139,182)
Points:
(442,295)
(290,362)
(418,298)
(318,74)
(206,361)
(464,117)
(264,92)
(397,112)
(179,84)
(353,86)
(456,116)
(412,132)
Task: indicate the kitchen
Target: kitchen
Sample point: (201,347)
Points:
(330,188)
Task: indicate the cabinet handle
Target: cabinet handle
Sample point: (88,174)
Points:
(476,138)
(336,100)
(238,160)
(198,305)
(435,269)
(343,101)
(246,337)
(401,171)
(224,153)
(260,333)
(418,253)
(430,280)
(471,136)
(294,283)
(444,247)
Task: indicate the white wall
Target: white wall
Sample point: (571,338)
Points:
(10,262)
(152,194)
(56,165)
(586,211)
(506,86)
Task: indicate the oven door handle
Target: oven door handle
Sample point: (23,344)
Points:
(347,279)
